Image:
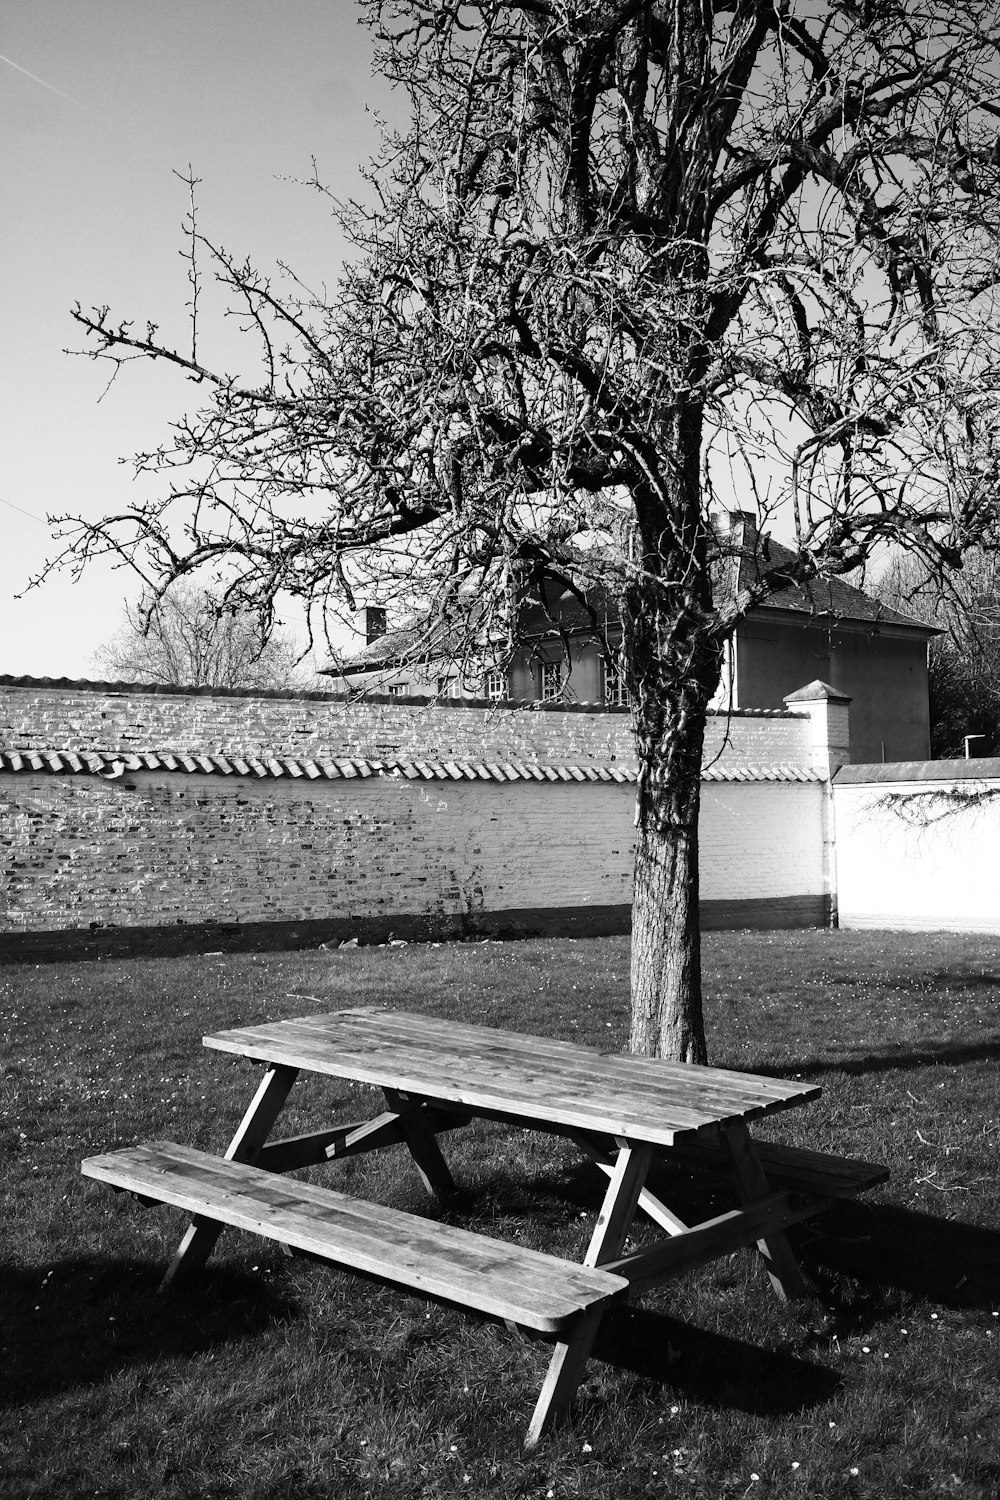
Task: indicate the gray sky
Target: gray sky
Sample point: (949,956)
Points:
(99,101)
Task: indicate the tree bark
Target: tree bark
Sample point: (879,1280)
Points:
(672,663)
(667,1019)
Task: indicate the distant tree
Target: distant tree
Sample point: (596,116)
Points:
(186,639)
(624,253)
(964,661)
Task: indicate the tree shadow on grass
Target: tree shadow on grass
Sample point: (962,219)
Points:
(948,1054)
(80,1322)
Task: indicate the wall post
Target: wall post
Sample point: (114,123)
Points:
(829,714)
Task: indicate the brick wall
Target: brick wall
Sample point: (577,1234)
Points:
(159,849)
(379,855)
(216,857)
(35,715)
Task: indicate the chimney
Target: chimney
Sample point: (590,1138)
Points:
(373,623)
(743,545)
(743,528)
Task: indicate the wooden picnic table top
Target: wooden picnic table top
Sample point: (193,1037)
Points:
(490,1071)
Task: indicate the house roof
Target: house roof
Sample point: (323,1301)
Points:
(407,644)
(827,597)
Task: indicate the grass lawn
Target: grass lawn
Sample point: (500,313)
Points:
(278,1378)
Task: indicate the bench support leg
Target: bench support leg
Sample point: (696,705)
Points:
(562,1378)
(777,1253)
(200,1239)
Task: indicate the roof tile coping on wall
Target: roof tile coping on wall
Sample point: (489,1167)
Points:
(987,769)
(508,705)
(111,767)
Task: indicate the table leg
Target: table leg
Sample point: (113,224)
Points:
(777,1253)
(613,1223)
(650,1205)
(422,1143)
(200,1238)
(618,1209)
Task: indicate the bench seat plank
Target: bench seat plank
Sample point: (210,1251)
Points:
(794,1167)
(440,1261)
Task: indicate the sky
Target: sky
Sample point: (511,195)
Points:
(101,102)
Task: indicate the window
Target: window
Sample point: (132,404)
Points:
(551,680)
(495,684)
(398,689)
(615,694)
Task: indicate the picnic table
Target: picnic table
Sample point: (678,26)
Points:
(624,1112)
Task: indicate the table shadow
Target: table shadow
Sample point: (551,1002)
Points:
(712,1368)
(866,1260)
(858,1252)
(77,1323)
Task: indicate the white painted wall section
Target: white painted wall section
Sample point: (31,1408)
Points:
(919,856)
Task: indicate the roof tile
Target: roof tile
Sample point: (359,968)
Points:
(62,762)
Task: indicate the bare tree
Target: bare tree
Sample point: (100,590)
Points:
(964,660)
(186,640)
(630,258)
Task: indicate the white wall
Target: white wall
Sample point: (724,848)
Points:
(918,855)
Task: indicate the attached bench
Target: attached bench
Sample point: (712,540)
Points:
(535,1291)
(435,1260)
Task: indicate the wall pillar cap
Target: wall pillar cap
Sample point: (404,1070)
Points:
(817,692)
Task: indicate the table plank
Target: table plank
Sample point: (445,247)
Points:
(518,1092)
(465,1037)
(484,1044)
(477,1066)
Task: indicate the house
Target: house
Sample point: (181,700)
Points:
(412,662)
(827,629)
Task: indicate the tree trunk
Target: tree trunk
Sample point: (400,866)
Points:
(670,718)
(666,935)
(672,662)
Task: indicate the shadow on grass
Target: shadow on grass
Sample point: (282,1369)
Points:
(711,1367)
(86,1320)
(90,1320)
(864,1258)
(950,1054)
(856,1252)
